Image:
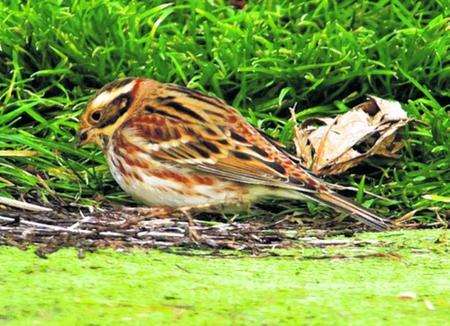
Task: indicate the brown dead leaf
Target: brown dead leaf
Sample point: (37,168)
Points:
(408,216)
(333,145)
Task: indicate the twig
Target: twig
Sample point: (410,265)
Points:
(45,226)
(23,205)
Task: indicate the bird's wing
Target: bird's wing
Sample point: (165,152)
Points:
(185,128)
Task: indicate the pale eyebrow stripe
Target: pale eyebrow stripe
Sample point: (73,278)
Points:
(107,96)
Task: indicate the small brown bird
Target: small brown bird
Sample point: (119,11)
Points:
(170,146)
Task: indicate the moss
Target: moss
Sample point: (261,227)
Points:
(289,286)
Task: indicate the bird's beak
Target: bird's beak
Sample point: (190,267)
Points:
(82,137)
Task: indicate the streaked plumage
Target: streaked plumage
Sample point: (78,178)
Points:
(168,145)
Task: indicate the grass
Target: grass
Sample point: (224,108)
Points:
(322,56)
(161,287)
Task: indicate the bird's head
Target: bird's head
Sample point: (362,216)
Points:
(108,109)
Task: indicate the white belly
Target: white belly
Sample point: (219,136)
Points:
(155,191)
(159,192)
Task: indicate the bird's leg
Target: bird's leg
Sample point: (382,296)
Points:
(137,214)
(166,212)
(191,232)
(152,212)
(143,213)
(134,215)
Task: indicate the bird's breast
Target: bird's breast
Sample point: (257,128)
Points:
(161,185)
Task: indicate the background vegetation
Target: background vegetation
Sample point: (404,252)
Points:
(323,55)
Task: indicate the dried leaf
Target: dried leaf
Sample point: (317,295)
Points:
(333,145)
(408,216)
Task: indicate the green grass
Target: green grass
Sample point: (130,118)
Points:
(160,287)
(323,55)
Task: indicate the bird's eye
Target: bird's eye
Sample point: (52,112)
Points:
(96,116)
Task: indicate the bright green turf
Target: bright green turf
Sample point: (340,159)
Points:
(104,288)
(321,55)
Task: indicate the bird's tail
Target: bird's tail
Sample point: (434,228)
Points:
(334,200)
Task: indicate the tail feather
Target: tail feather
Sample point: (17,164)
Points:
(347,205)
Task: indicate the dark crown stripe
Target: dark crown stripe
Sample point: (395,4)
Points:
(116,84)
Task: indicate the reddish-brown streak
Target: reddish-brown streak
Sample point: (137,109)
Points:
(168,190)
(285,165)
(167,174)
(126,146)
(204,180)
(246,132)
(300,176)
(135,163)
(311,183)
(217,114)
(131,151)
(135,88)
(176,133)
(150,119)
(185,192)
(233,189)
(232,118)
(161,121)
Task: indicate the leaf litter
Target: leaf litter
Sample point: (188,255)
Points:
(90,229)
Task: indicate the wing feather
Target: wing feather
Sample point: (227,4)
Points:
(170,130)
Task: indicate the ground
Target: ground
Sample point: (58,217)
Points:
(406,282)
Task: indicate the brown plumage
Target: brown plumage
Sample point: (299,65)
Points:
(168,145)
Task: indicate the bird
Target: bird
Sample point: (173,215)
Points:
(169,146)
